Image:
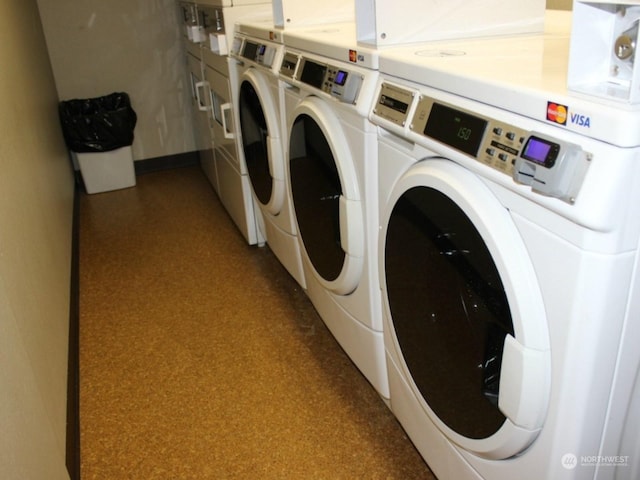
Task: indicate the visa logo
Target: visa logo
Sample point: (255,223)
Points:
(560,114)
(581,120)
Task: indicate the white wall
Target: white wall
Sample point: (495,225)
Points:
(36,208)
(98,47)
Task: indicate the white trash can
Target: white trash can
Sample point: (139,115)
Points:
(106,171)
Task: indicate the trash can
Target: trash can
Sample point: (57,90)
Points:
(99,134)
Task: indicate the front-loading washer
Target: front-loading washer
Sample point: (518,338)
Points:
(332,171)
(258,50)
(508,255)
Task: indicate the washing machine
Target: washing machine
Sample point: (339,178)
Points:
(258,51)
(508,255)
(217,20)
(332,172)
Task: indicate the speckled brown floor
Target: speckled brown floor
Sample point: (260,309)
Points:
(200,358)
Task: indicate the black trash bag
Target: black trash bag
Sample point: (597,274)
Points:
(98,124)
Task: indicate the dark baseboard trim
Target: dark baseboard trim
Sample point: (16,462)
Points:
(72,455)
(150,165)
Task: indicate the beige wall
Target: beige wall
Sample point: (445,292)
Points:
(36,207)
(560,4)
(98,47)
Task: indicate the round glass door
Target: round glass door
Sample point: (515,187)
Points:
(261,141)
(316,190)
(452,318)
(325,197)
(466,314)
(255,134)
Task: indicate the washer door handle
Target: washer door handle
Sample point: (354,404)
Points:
(274,153)
(225,110)
(524,384)
(351,227)
(203,107)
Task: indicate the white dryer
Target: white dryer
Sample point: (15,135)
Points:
(258,51)
(217,20)
(331,149)
(508,256)
(192,41)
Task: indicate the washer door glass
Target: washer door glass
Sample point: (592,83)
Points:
(316,190)
(255,141)
(449,308)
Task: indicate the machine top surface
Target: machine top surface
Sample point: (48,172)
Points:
(263,30)
(337,41)
(525,74)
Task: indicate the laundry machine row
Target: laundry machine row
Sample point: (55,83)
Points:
(508,261)
(426,207)
(262,129)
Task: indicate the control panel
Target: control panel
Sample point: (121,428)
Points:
(189,15)
(211,29)
(549,165)
(211,19)
(260,53)
(289,65)
(338,82)
(393,104)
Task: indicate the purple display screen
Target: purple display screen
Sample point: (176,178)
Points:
(341,77)
(540,151)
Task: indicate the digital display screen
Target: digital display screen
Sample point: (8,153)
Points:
(262,49)
(541,151)
(250,50)
(341,78)
(457,129)
(313,73)
(393,104)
